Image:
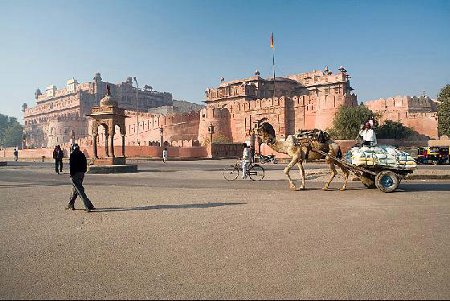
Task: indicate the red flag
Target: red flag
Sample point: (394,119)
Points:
(271,40)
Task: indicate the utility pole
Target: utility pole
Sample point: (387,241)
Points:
(137,112)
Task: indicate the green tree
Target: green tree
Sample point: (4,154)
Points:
(3,125)
(444,111)
(394,130)
(348,120)
(10,131)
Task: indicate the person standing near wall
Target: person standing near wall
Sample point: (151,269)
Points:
(58,155)
(164,155)
(78,167)
(16,154)
(245,160)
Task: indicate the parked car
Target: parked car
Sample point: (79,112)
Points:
(433,155)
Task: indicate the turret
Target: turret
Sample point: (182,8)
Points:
(37,93)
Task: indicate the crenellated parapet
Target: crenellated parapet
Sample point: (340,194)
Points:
(419,113)
(150,129)
(252,88)
(409,104)
(234,118)
(300,101)
(315,78)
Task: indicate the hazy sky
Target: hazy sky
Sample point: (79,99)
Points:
(183,47)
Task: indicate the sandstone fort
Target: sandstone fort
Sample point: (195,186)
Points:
(299,101)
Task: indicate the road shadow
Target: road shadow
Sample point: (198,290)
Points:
(26,185)
(411,187)
(177,206)
(155,170)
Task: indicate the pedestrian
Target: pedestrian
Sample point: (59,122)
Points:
(78,167)
(245,160)
(58,155)
(164,155)
(16,154)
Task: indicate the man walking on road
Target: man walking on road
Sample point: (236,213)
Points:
(245,160)
(58,155)
(16,154)
(78,166)
(164,155)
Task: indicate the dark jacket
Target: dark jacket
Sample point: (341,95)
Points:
(78,162)
(58,154)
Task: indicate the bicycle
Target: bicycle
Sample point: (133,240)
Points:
(254,171)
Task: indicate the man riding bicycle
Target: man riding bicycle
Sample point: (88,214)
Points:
(245,160)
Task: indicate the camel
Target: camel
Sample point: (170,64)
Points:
(301,147)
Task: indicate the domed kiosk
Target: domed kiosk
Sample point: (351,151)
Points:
(108,115)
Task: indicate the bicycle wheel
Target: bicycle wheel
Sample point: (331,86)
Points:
(256,172)
(230,173)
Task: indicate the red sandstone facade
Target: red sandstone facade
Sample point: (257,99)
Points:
(301,101)
(419,113)
(60,115)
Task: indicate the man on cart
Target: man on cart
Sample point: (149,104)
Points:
(368,135)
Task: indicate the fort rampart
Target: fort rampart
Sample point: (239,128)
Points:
(300,101)
(419,113)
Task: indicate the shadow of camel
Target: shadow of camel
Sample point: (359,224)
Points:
(155,207)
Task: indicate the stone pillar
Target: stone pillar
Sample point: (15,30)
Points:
(95,146)
(106,145)
(111,151)
(123,145)
(252,145)
(161,132)
(111,144)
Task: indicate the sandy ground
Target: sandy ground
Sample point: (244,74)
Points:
(188,234)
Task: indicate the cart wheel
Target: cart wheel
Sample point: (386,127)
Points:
(387,181)
(368,181)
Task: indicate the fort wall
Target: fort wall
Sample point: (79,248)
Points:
(37,154)
(300,101)
(419,113)
(235,119)
(146,129)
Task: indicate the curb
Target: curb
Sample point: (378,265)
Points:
(105,169)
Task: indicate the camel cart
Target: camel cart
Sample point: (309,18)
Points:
(378,174)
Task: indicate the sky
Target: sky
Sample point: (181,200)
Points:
(185,46)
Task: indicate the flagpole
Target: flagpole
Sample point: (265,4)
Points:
(273,65)
(272,45)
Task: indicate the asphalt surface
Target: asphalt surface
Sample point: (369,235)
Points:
(180,231)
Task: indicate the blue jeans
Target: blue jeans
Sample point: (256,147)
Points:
(78,190)
(58,165)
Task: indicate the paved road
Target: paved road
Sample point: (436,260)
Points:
(178,230)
